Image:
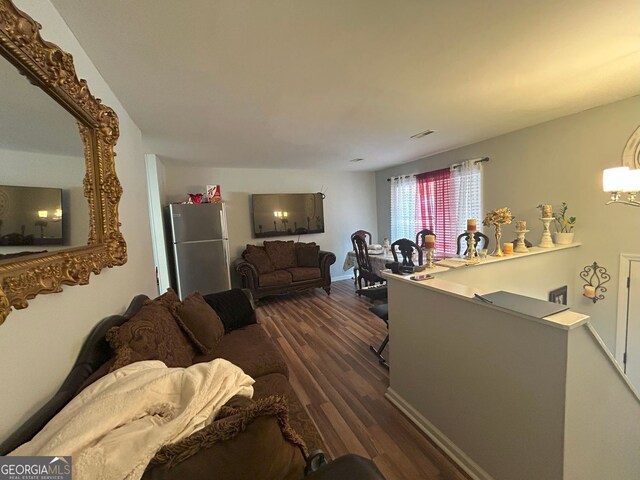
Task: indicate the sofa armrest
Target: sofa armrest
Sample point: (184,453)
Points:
(247,272)
(326,260)
(347,467)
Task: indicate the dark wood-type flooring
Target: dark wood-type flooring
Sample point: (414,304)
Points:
(325,340)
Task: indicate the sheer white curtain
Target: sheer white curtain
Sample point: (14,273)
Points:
(403,207)
(467,183)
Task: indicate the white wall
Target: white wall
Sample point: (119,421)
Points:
(510,396)
(601,438)
(349,204)
(38,345)
(557,161)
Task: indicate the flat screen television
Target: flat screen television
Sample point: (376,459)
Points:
(279,214)
(30,216)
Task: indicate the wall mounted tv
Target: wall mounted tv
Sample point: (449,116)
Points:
(278,214)
(30,216)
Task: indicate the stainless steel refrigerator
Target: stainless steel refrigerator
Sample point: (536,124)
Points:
(200,247)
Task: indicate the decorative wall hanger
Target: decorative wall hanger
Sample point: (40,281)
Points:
(595,276)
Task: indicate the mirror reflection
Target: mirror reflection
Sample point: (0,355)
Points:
(42,203)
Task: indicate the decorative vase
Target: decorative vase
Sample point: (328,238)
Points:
(498,251)
(563,238)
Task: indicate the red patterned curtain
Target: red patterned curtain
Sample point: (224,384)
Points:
(435,209)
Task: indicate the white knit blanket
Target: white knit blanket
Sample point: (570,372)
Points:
(114,427)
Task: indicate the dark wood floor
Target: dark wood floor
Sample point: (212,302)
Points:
(326,342)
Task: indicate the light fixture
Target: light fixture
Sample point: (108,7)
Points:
(43,213)
(622,180)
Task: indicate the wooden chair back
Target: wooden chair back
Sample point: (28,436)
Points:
(420,237)
(482,241)
(366,236)
(365,271)
(407,248)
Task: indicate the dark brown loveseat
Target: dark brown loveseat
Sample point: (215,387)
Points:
(279,267)
(265,437)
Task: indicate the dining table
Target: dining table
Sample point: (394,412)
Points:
(378,259)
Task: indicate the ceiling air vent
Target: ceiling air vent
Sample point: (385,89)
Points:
(422,134)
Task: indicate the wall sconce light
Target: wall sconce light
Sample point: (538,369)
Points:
(622,180)
(595,276)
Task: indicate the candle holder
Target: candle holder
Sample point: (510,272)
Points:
(498,234)
(471,245)
(595,276)
(430,257)
(545,241)
(521,246)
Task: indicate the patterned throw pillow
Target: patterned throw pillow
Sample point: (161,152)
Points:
(261,261)
(168,298)
(151,334)
(308,255)
(199,321)
(282,254)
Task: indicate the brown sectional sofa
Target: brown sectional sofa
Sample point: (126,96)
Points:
(266,437)
(280,267)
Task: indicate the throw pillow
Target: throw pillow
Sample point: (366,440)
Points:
(151,334)
(282,254)
(167,299)
(254,249)
(261,261)
(199,321)
(255,431)
(308,255)
(233,307)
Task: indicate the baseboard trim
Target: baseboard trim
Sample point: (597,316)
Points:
(440,439)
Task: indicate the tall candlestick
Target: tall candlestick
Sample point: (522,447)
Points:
(545,241)
(430,258)
(521,246)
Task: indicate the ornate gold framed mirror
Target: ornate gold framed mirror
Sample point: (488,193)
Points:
(26,274)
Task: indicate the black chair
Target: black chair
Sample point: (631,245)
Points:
(407,248)
(365,271)
(479,236)
(382,311)
(420,237)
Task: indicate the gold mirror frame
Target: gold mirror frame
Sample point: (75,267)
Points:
(52,69)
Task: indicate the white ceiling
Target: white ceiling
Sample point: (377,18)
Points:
(313,84)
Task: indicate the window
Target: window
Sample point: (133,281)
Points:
(441,200)
(403,207)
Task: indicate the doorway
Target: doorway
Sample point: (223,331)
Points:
(628,334)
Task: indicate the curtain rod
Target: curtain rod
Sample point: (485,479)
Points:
(454,166)
(475,160)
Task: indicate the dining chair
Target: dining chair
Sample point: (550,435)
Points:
(479,236)
(364,235)
(381,311)
(365,271)
(407,248)
(420,237)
